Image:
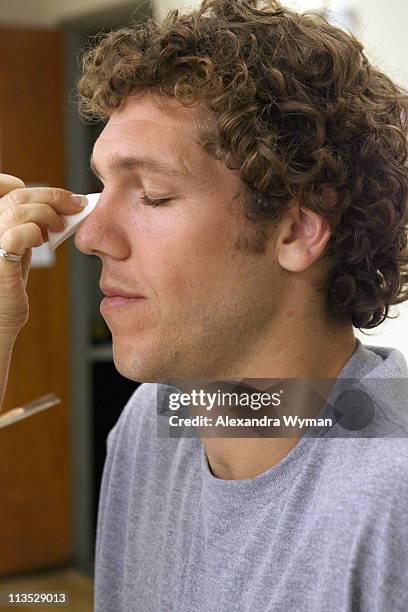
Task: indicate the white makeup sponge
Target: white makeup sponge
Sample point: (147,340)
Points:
(74,221)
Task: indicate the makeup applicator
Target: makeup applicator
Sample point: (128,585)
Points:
(73,222)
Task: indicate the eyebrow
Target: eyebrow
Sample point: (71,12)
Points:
(116,164)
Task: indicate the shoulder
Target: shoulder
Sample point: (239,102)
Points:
(367,472)
(386,469)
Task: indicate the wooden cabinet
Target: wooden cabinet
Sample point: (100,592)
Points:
(34,454)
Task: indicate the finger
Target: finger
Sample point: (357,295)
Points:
(20,238)
(61,200)
(8,183)
(42,214)
(25,265)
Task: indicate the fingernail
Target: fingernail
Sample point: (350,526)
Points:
(79,200)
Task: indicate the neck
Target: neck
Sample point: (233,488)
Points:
(317,352)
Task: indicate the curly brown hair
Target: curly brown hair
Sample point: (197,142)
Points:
(299,111)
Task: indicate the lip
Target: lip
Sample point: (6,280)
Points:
(109,292)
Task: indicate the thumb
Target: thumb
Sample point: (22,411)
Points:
(8,183)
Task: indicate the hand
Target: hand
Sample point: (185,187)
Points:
(25,217)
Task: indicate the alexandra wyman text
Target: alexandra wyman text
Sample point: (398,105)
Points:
(226,421)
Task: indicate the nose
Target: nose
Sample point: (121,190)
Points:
(103,231)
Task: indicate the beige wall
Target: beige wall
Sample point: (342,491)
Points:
(381,28)
(161,7)
(26,12)
(49,13)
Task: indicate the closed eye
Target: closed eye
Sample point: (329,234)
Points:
(152,202)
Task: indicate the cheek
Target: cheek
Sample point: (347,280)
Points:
(180,259)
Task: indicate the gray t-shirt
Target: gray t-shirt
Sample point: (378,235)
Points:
(325,529)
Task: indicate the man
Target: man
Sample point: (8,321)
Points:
(254,209)
(247,232)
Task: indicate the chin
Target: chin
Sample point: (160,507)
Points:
(140,365)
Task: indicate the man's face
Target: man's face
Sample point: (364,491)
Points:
(206,302)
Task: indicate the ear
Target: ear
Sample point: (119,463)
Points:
(302,239)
